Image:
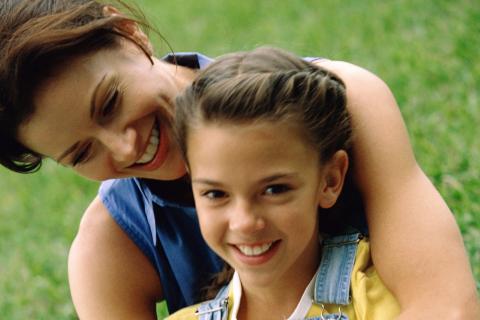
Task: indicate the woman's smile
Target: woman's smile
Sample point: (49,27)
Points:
(151,147)
(156,149)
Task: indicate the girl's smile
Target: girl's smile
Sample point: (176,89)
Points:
(257,254)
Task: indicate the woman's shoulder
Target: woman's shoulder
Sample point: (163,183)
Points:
(95,279)
(118,186)
(361,83)
(121,194)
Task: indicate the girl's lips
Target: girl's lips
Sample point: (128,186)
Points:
(254,250)
(252,258)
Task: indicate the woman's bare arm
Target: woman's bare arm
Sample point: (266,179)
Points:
(110,278)
(416,244)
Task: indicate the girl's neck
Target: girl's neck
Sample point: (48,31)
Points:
(279,299)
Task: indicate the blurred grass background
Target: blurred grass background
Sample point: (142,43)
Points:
(427,52)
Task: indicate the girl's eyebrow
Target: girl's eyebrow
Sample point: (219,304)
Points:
(268,179)
(278,176)
(207,182)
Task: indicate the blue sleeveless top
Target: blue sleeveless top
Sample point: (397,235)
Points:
(168,233)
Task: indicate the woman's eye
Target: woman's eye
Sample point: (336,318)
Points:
(82,155)
(277,189)
(214,194)
(110,104)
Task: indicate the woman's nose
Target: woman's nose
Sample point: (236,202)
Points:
(121,145)
(246,218)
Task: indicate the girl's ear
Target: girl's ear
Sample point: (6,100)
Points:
(332,179)
(131,28)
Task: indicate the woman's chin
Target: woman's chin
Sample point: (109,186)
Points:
(171,171)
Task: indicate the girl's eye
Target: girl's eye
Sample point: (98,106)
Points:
(82,155)
(277,189)
(214,194)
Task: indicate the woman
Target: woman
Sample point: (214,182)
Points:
(79,84)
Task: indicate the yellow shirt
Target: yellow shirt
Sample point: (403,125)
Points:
(370,299)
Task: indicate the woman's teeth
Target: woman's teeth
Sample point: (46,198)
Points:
(254,250)
(151,149)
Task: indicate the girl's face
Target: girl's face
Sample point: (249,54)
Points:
(257,189)
(108,115)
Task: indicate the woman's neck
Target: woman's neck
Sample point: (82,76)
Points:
(178,191)
(181,75)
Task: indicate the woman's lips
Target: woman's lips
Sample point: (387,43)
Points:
(152,146)
(156,151)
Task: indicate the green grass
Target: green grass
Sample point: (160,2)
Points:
(427,51)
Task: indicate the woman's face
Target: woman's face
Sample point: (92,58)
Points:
(109,115)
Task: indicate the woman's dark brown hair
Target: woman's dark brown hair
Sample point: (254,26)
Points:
(38,38)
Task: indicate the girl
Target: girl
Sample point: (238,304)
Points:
(79,84)
(265,150)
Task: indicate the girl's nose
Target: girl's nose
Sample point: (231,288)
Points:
(244,218)
(121,145)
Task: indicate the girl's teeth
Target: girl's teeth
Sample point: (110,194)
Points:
(254,250)
(151,148)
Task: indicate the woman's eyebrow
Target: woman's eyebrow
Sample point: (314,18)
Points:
(94,96)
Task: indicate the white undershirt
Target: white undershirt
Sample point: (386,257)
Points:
(300,311)
(237,295)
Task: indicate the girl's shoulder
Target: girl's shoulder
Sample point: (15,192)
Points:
(185,313)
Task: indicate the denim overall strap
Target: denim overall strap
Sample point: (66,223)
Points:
(332,316)
(332,285)
(215,309)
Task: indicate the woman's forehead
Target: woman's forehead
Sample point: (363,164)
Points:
(61,104)
(91,64)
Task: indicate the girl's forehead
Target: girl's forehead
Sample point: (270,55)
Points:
(279,135)
(272,128)
(248,153)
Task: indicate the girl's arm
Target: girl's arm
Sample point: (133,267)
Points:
(110,278)
(416,245)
